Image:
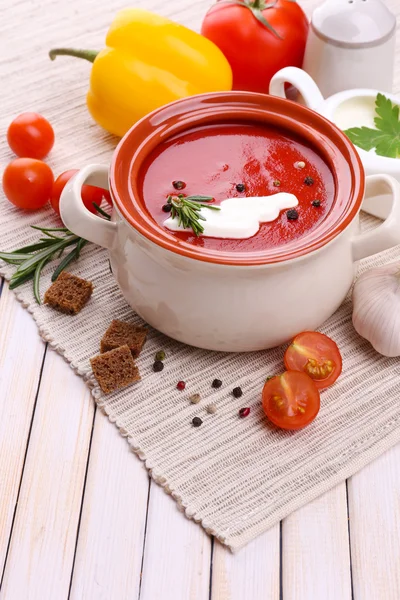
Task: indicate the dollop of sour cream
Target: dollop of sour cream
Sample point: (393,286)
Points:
(240,218)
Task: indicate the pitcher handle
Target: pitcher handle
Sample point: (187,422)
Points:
(301,81)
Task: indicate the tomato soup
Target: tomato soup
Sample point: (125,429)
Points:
(238,160)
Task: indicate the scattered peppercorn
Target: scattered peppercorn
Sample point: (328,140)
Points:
(160,355)
(240,187)
(316,203)
(196,422)
(212,409)
(216,383)
(179,185)
(292,214)
(237,392)
(181,385)
(299,164)
(158,366)
(243,412)
(167,207)
(309,180)
(277,183)
(194,398)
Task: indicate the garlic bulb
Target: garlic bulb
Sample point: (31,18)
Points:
(376,308)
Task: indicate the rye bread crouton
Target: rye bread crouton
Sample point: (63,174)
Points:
(68,294)
(120,333)
(115,369)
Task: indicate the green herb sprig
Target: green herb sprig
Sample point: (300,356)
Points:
(187,210)
(386,137)
(31,260)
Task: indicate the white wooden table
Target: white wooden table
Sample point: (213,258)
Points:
(74,526)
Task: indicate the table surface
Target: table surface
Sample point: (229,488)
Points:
(79,517)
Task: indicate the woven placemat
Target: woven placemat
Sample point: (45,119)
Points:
(237,477)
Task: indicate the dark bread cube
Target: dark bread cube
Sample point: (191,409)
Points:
(120,334)
(68,294)
(115,369)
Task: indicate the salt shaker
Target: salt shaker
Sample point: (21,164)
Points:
(351,44)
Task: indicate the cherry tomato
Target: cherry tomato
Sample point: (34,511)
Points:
(30,136)
(254,52)
(317,355)
(27,183)
(90,193)
(291,400)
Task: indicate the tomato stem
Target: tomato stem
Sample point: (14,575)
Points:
(89,55)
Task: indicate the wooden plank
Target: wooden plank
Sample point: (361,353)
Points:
(111,534)
(21,357)
(315,550)
(43,538)
(251,574)
(374,509)
(177,553)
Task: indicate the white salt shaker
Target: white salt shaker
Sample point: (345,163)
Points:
(351,44)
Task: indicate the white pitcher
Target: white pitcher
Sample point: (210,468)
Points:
(350,108)
(351,44)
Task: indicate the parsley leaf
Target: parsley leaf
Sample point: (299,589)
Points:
(386,137)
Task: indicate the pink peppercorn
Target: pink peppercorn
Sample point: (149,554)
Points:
(181,385)
(243,412)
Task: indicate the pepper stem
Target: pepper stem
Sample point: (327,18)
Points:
(89,55)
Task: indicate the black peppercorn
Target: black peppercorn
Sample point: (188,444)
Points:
(167,207)
(216,383)
(158,366)
(292,214)
(237,392)
(179,185)
(309,180)
(316,203)
(277,183)
(240,187)
(196,422)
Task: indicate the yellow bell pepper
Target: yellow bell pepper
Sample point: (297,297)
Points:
(148,61)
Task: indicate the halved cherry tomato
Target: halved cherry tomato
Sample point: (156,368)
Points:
(30,136)
(291,400)
(317,355)
(90,193)
(27,183)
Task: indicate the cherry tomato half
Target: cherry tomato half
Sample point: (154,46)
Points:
(317,355)
(90,193)
(291,400)
(30,136)
(27,183)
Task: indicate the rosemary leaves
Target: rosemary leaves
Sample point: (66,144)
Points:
(187,210)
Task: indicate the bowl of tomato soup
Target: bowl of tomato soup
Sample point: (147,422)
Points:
(235,219)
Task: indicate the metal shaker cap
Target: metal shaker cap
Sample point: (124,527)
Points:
(353,23)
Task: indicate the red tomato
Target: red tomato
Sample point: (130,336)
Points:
(90,193)
(317,355)
(30,135)
(27,183)
(291,400)
(254,52)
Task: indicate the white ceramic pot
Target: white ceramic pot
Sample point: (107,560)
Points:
(232,303)
(350,108)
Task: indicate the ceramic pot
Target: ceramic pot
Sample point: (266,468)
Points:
(233,301)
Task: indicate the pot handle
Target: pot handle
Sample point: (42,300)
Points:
(301,81)
(382,200)
(77,218)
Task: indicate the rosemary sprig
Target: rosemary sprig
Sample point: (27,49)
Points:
(31,259)
(187,210)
